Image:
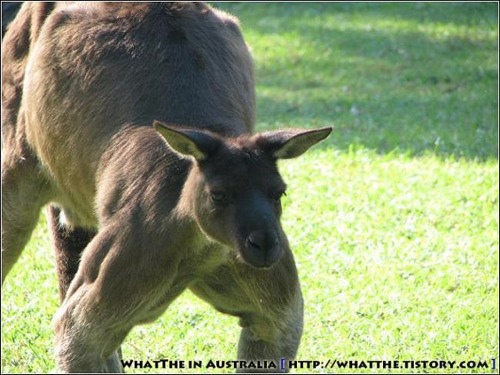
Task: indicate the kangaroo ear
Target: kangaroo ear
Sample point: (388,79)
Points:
(290,143)
(187,141)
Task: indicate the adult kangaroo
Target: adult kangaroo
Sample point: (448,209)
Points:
(134,122)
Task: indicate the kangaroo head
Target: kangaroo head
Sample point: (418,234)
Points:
(234,187)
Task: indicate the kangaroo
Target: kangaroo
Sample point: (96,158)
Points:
(134,123)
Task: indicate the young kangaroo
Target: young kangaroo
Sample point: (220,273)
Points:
(134,122)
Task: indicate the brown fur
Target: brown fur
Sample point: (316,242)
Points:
(140,213)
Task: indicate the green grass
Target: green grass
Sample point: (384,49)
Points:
(393,220)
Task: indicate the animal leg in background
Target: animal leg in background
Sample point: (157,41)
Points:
(69,244)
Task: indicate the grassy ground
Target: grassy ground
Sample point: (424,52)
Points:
(393,220)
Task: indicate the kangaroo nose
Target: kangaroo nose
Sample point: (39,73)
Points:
(262,248)
(256,241)
(262,242)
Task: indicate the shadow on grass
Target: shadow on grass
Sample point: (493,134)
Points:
(414,77)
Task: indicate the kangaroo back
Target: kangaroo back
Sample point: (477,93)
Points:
(95,70)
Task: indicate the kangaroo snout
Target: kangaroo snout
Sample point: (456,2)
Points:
(262,249)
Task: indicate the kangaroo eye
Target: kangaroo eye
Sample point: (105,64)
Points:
(218,196)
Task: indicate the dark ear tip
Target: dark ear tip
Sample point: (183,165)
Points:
(326,130)
(321,133)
